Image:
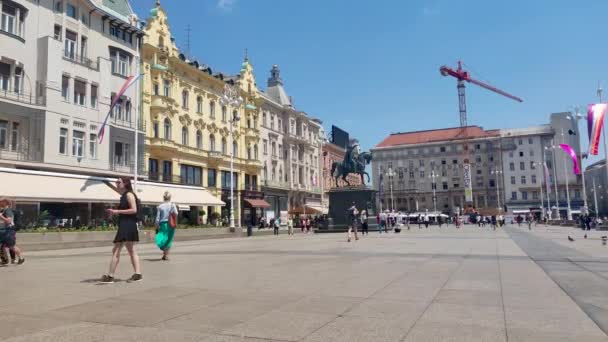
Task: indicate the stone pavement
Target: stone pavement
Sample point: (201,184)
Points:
(421,285)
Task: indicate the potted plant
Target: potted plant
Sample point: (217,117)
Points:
(201,217)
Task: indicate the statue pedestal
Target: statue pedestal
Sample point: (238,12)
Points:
(341,199)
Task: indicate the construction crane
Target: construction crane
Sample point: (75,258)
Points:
(462,76)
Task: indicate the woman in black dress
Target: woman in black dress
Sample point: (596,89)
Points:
(127,233)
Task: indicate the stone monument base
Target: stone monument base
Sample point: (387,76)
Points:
(341,199)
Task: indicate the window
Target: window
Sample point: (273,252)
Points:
(77,143)
(533,179)
(83,49)
(421,174)
(211,178)
(531,153)
(212,109)
(71,11)
(456,185)
(512,166)
(80,92)
(14,136)
(17,84)
(155,129)
(184,136)
(224,114)
(10,22)
(57,33)
(93,145)
(199,104)
(443,162)
(167,88)
(235,115)
(421,162)
(249,152)
(492,183)
(411,174)
(532,166)
(535,195)
(549,165)
(521,153)
(530,141)
(84,18)
(224,146)
(226,179)
(514,195)
(156,89)
(523,179)
(513,180)
(271,121)
(167,127)
(93,96)
(65,88)
(58,6)
(444,185)
(235,149)
(63,140)
(69,45)
(212,143)
(520,142)
(442,149)
(185,99)
(255,152)
(199,140)
(264,119)
(522,166)
(577,194)
(454,161)
(121,154)
(477,146)
(3,133)
(190,175)
(511,154)
(265,146)
(524,195)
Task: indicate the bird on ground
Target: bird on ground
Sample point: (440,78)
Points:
(570,239)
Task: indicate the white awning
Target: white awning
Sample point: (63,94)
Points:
(182,207)
(152,193)
(39,186)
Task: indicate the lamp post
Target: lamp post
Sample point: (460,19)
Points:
(433,177)
(390,174)
(497,173)
(569,211)
(539,166)
(552,147)
(232,98)
(577,116)
(597,211)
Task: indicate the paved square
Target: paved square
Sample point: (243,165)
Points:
(431,284)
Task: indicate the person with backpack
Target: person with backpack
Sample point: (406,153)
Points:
(166,222)
(352,221)
(8,234)
(128,233)
(275,226)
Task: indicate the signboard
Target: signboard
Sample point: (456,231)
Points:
(283,217)
(339,137)
(468,187)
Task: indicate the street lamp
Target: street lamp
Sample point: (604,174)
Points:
(539,167)
(433,176)
(552,148)
(594,190)
(497,173)
(568,210)
(391,174)
(577,117)
(232,98)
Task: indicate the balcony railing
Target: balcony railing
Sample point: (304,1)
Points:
(20,154)
(172,179)
(22,97)
(82,60)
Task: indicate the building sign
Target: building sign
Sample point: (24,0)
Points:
(468,188)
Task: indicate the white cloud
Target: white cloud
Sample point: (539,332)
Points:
(226,5)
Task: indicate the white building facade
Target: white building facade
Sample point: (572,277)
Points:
(290,153)
(61,64)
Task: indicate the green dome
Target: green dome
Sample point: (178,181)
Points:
(154,12)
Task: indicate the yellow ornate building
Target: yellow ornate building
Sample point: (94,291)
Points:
(188,127)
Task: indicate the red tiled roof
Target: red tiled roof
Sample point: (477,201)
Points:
(436,135)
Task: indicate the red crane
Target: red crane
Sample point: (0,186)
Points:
(462,75)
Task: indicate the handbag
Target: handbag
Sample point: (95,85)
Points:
(172,219)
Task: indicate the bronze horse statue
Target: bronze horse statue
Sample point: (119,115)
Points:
(354,165)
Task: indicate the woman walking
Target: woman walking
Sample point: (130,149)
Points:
(166,217)
(364,222)
(127,233)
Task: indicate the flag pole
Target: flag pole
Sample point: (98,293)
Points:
(136,148)
(599,94)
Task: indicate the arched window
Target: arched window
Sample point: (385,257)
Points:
(167,129)
(280,174)
(184,135)
(255,152)
(199,139)
(185,99)
(235,114)
(224,111)
(224,146)
(249,152)
(212,143)
(235,149)
(274,149)
(161,42)
(212,109)
(167,88)
(273,175)
(199,104)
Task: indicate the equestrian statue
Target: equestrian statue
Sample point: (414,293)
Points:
(354,162)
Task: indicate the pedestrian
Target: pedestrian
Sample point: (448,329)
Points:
(289,226)
(363,218)
(127,234)
(352,221)
(8,234)
(494,221)
(276,226)
(440,221)
(426,220)
(529,221)
(382,219)
(419,221)
(166,221)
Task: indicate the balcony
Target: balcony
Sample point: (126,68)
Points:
(141,125)
(20,154)
(80,60)
(164,144)
(276,184)
(163,102)
(216,156)
(274,158)
(172,179)
(22,97)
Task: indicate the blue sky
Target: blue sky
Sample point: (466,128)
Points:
(372,67)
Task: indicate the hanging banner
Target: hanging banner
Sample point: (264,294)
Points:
(595,123)
(468,186)
(547,178)
(570,151)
